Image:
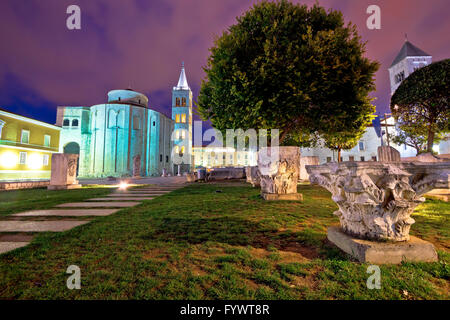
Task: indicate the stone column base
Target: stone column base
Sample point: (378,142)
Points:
(414,250)
(64,187)
(287,197)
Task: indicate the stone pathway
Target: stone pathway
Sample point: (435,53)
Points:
(8,246)
(67,213)
(90,204)
(127,198)
(39,226)
(95,207)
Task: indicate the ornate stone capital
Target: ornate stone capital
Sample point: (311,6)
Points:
(376,199)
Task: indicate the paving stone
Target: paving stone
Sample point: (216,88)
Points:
(98,204)
(121,199)
(148,191)
(9,246)
(139,195)
(39,226)
(66,213)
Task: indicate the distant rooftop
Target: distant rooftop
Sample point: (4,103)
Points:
(409,50)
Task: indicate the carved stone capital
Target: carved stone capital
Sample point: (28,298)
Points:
(376,199)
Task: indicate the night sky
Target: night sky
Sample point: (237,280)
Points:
(141,44)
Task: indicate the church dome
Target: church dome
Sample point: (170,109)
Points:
(127,96)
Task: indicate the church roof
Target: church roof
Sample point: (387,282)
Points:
(182,81)
(409,50)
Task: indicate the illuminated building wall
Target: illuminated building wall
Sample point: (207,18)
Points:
(219,157)
(109,136)
(26,147)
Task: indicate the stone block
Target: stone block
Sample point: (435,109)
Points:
(388,154)
(414,250)
(64,171)
(98,204)
(285,197)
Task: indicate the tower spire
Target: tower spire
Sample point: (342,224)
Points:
(182,81)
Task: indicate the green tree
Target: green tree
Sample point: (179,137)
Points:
(420,105)
(289,67)
(344,138)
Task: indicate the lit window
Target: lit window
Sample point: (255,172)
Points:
(177,102)
(22,158)
(177,149)
(183,134)
(46,140)
(75,123)
(183,118)
(182,149)
(177,118)
(66,123)
(45,159)
(25,137)
(183,102)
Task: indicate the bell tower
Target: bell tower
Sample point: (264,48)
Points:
(182,116)
(409,59)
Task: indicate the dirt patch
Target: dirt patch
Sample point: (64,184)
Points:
(286,244)
(155,254)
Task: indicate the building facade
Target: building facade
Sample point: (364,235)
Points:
(26,147)
(120,138)
(219,157)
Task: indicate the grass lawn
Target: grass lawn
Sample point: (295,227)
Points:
(198,243)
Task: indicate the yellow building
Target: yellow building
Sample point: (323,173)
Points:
(26,147)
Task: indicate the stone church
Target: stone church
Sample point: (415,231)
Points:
(124,137)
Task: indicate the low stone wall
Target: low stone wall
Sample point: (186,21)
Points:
(427,157)
(15,185)
(226,174)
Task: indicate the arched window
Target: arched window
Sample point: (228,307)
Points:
(183,102)
(66,123)
(177,118)
(183,134)
(177,102)
(75,123)
(183,118)
(177,149)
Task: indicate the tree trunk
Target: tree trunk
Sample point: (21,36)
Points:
(339,155)
(430,140)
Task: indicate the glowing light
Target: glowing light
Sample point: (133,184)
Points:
(123,185)
(35,161)
(8,159)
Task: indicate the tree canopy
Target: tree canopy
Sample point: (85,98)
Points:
(420,105)
(289,67)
